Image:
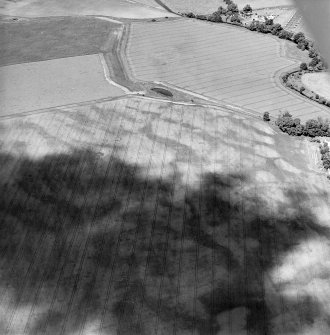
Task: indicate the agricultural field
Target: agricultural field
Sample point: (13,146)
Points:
(31,86)
(137,216)
(207,7)
(114,8)
(317,82)
(32,40)
(218,61)
(173,214)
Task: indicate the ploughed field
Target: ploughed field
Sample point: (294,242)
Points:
(135,216)
(219,61)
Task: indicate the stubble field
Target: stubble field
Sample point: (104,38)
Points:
(218,61)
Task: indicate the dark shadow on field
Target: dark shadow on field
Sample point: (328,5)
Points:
(85,238)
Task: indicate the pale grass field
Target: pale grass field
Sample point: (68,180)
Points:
(318,82)
(142,217)
(31,86)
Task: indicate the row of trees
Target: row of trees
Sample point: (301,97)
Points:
(316,64)
(267,27)
(311,128)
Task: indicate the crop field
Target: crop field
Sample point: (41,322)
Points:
(115,8)
(137,216)
(30,86)
(318,82)
(41,39)
(209,6)
(222,62)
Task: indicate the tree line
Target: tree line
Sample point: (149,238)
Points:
(294,127)
(232,13)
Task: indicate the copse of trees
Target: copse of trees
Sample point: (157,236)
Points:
(311,128)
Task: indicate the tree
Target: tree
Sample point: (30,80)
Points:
(284,34)
(215,17)
(298,37)
(232,8)
(302,44)
(277,28)
(247,9)
(222,10)
(285,122)
(312,53)
(326,160)
(299,130)
(313,128)
(266,117)
(303,66)
(191,15)
(263,28)
(201,17)
(324,148)
(235,18)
